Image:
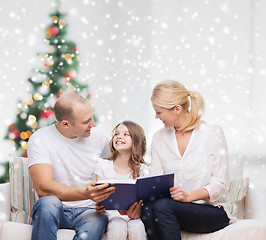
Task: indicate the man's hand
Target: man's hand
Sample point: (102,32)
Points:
(100,192)
(134,211)
(100,209)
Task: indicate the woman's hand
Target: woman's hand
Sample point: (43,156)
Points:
(134,211)
(178,194)
(100,209)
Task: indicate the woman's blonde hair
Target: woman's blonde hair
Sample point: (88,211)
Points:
(169,93)
(138,146)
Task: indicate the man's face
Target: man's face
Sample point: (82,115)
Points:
(82,122)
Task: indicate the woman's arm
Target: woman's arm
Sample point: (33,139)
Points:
(178,194)
(219,166)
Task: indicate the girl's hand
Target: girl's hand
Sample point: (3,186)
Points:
(178,194)
(100,209)
(134,211)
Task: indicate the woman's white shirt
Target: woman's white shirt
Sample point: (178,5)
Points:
(204,163)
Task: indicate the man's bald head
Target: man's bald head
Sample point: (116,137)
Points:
(64,106)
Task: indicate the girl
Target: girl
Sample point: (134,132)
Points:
(128,146)
(197,153)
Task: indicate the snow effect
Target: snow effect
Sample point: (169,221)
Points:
(126,47)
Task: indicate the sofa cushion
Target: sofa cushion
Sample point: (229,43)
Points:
(241,229)
(4,202)
(15,231)
(22,192)
(237,191)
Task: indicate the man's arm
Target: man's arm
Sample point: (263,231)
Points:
(42,178)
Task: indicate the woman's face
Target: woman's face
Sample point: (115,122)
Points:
(167,116)
(122,140)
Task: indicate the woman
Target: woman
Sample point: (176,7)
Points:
(197,153)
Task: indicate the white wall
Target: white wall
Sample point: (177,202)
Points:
(215,47)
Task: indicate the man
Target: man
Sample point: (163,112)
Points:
(62,158)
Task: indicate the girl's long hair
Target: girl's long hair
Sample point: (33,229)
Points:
(138,146)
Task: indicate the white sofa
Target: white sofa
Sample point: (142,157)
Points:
(252,207)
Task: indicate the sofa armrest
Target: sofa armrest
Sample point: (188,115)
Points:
(255,201)
(4,202)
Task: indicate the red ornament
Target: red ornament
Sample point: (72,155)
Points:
(58,95)
(75,49)
(25,155)
(47,113)
(12,127)
(71,75)
(54,30)
(14,134)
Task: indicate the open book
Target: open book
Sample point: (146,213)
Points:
(128,191)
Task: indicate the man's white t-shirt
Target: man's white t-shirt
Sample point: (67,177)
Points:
(73,160)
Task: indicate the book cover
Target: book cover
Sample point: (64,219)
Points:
(145,188)
(152,188)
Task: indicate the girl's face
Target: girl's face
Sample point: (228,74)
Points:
(122,140)
(168,117)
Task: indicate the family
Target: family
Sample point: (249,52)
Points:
(67,158)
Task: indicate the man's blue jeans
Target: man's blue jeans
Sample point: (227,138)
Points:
(48,216)
(165,218)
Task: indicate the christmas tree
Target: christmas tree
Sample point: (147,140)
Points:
(56,76)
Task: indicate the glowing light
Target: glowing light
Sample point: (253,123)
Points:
(68,57)
(51,49)
(24,145)
(55,19)
(65,80)
(29,133)
(34,125)
(31,119)
(61,23)
(71,88)
(46,84)
(27,100)
(49,62)
(48,33)
(37,96)
(23,135)
(42,56)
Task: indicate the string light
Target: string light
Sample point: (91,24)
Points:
(61,23)
(23,135)
(51,49)
(37,96)
(34,125)
(46,84)
(28,100)
(54,19)
(29,133)
(71,88)
(24,145)
(68,57)
(31,119)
